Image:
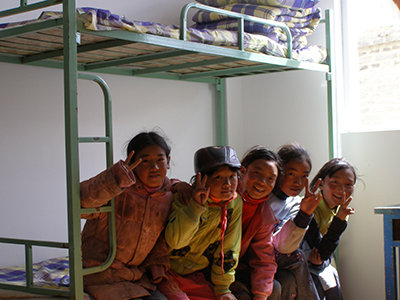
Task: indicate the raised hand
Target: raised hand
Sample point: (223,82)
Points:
(201,192)
(344,209)
(311,198)
(130,166)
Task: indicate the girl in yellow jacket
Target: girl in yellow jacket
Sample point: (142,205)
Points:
(204,236)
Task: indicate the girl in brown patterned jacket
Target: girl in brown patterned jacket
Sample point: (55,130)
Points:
(143,199)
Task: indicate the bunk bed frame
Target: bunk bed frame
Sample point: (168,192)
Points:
(68,45)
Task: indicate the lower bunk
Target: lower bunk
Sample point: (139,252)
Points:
(52,274)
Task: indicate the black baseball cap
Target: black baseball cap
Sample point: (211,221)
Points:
(208,158)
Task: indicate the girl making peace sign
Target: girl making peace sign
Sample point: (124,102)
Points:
(330,220)
(143,199)
(204,236)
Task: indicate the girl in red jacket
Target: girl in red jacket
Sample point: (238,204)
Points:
(261,168)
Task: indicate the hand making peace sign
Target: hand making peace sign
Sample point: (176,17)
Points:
(201,192)
(344,209)
(311,199)
(131,166)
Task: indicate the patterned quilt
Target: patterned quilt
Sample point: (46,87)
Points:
(102,20)
(48,273)
(51,273)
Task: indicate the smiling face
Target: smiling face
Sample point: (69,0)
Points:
(154,166)
(222,183)
(259,178)
(333,187)
(295,179)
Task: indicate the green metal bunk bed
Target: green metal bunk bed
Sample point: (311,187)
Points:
(71,41)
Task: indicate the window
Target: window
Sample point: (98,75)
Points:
(371,45)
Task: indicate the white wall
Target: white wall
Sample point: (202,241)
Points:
(377,161)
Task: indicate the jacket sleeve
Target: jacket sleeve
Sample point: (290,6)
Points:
(327,244)
(98,190)
(183,223)
(291,230)
(262,260)
(231,248)
(288,239)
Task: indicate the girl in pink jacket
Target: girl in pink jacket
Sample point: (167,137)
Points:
(143,199)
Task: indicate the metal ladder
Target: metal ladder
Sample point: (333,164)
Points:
(76,271)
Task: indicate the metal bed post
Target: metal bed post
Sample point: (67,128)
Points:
(220,87)
(331,86)
(72,148)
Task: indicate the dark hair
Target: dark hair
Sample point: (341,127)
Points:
(295,152)
(211,171)
(260,152)
(331,167)
(144,139)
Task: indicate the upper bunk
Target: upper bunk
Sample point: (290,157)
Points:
(107,43)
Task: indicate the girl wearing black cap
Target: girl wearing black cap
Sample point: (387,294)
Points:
(204,236)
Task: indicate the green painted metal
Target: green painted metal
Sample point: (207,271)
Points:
(110,209)
(72,149)
(240,17)
(221,120)
(201,63)
(29,262)
(80,49)
(136,59)
(30,27)
(24,7)
(331,86)
(29,288)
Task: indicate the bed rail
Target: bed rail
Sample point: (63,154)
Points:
(240,17)
(29,287)
(25,7)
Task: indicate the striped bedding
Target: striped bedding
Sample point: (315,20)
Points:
(48,273)
(51,273)
(102,20)
(300,22)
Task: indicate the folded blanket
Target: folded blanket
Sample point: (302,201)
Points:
(101,20)
(300,22)
(293,4)
(275,33)
(279,14)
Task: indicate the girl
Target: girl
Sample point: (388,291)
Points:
(142,203)
(329,222)
(261,168)
(204,236)
(294,216)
